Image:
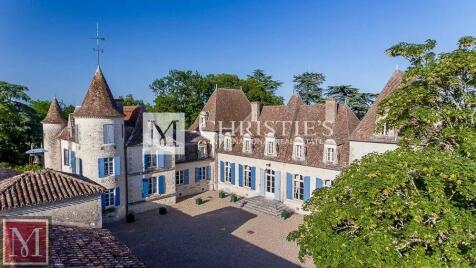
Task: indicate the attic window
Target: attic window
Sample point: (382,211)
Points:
(247,143)
(298,149)
(227,142)
(330,152)
(270,142)
(203,119)
(202,149)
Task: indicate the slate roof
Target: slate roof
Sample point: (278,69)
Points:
(365,131)
(7,173)
(54,115)
(43,187)
(88,247)
(99,102)
(299,113)
(224,105)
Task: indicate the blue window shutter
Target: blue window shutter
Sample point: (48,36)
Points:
(208,173)
(117,166)
(101,167)
(103,200)
(117,196)
(146,161)
(289,186)
(261,181)
(240,175)
(232,179)
(161,184)
(253,178)
(222,171)
(307,188)
(73,162)
(161,159)
(318,183)
(197,175)
(185,177)
(145,187)
(277,185)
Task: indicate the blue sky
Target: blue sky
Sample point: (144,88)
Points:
(46,45)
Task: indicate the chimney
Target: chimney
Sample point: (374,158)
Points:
(119,105)
(255,111)
(331,110)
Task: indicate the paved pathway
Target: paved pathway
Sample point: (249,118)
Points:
(214,234)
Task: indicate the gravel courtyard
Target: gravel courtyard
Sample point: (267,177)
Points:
(214,234)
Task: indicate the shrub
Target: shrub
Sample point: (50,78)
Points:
(233,198)
(221,194)
(285,214)
(198,201)
(162,210)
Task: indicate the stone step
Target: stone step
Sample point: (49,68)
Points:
(261,204)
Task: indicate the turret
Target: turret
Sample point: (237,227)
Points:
(53,123)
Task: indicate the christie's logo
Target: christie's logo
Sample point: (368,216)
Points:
(25,241)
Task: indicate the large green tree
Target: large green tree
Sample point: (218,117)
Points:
(400,209)
(308,87)
(129,100)
(359,102)
(436,105)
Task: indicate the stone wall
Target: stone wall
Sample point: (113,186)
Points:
(193,187)
(52,146)
(360,149)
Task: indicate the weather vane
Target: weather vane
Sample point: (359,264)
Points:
(98,38)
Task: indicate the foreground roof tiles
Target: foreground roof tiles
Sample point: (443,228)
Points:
(99,101)
(88,247)
(365,131)
(43,187)
(54,115)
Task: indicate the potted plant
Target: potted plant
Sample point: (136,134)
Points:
(162,210)
(130,217)
(285,214)
(233,198)
(198,201)
(221,194)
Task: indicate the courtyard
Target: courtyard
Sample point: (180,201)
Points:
(213,234)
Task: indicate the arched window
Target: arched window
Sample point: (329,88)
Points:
(247,144)
(270,145)
(330,151)
(227,142)
(202,149)
(298,149)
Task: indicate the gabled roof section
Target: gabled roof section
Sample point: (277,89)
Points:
(99,102)
(224,105)
(54,115)
(44,187)
(365,131)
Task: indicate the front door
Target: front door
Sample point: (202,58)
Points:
(270,183)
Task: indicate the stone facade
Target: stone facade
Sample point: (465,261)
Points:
(359,149)
(52,145)
(194,185)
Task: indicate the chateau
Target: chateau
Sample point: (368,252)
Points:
(103,141)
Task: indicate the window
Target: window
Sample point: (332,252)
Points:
(327,183)
(298,187)
(330,151)
(76,133)
(247,176)
(108,166)
(180,157)
(330,154)
(202,150)
(227,172)
(203,119)
(151,161)
(203,173)
(270,182)
(153,186)
(66,157)
(179,177)
(227,143)
(247,146)
(270,149)
(109,198)
(108,134)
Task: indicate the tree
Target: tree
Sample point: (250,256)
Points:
(261,87)
(308,86)
(129,100)
(401,209)
(436,104)
(16,123)
(357,101)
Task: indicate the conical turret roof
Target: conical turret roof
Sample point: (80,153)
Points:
(54,115)
(99,101)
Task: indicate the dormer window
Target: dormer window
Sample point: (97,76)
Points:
(247,143)
(203,119)
(298,149)
(330,152)
(270,149)
(227,142)
(202,149)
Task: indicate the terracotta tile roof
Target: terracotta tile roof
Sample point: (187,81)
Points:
(54,115)
(88,247)
(42,187)
(7,173)
(131,113)
(365,131)
(99,101)
(64,135)
(192,139)
(224,105)
(298,113)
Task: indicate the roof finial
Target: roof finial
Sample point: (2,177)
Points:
(98,39)
(396,67)
(216,87)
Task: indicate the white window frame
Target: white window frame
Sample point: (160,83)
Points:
(203,118)
(108,134)
(203,173)
(247,145)
(298,149)
(152,161)
(227,172)
(66,157)
(330,152)
(202,150)
(269,173)
(246,176)
(228,143)
(109,198)
(108,166)
(153,185)
(298,187)
(327,183)
(270,145)
(179,177)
